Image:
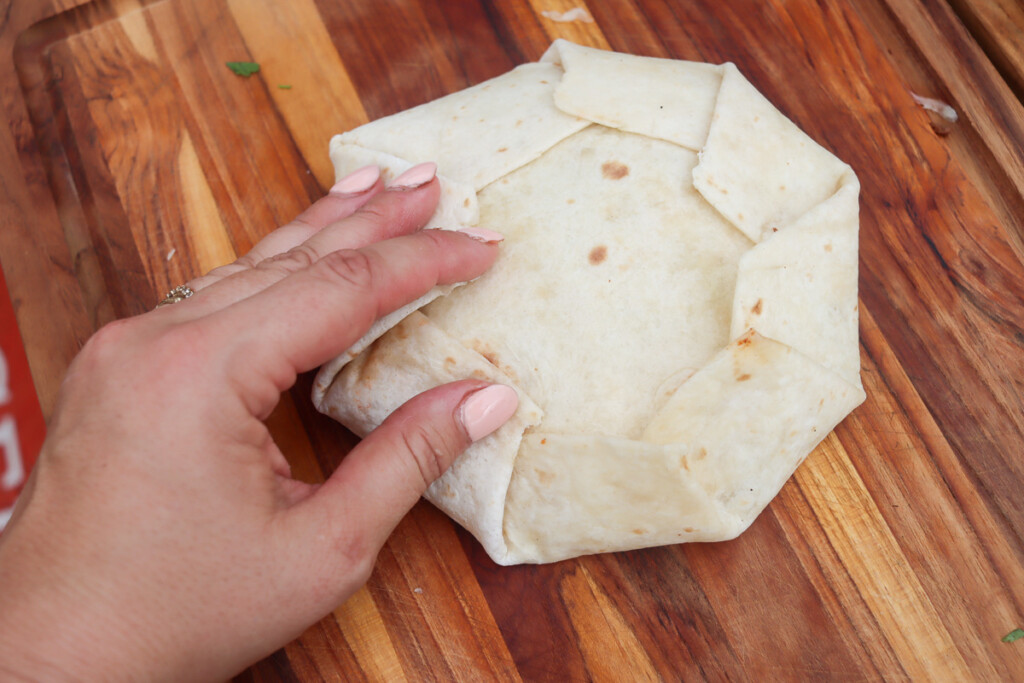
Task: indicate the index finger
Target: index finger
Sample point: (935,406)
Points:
(313,315)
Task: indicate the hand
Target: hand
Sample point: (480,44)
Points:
(161,535)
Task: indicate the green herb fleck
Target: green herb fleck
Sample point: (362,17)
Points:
(1015,634)
(285,87)
(245,69)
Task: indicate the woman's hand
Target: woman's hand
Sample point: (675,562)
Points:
(161,535)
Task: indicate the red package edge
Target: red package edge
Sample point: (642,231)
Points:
(22,427)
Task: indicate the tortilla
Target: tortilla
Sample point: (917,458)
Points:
(675,301)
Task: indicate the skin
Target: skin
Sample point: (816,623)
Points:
(161,535)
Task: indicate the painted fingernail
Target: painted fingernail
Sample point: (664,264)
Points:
(357,182)
(483,411)
(418,175)
(483,235)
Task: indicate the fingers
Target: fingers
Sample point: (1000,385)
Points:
(384,476)
(405,207)
(344,198)
(316,313)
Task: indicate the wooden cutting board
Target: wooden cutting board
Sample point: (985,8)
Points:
(135,160)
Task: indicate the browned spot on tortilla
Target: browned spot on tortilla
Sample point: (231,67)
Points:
(821,403)
(598,254)
(503,149)
(543,441)
(449,361)
(782,187)
(543,476)
(544,82)
(775,229)
(757,118)
(504,181)
(684,463)
(570,201)
(639,532)
(478,374)
(614,170)
(756,310)
(746,340)
(743,378)
(701,453)
(519,122)
(689,529)
(465,202)
(828,247)
(448,492)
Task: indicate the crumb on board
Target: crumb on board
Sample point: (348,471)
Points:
(942,116)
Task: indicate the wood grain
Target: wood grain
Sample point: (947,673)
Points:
(134,159)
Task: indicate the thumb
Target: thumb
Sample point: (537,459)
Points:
(384,476)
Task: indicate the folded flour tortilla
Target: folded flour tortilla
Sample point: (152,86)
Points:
(675,301)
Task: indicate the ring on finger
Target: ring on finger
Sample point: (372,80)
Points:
(176,295)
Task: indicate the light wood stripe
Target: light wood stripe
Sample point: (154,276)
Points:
(293,48)
(605,638)
(208,240)
(363,627)
(883,576)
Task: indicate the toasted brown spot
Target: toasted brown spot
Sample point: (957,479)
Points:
(689,529)
(543,476)
(449,361)
(544,82)
(775,229)
(746,340)
(478,374)
(684,463)
(614,170)
(782,187)
(543,441)
(743,378)
(756,310)
(465,202)
(519,122)
(639,532)
(828,247)
(570,201)
(448,492)
(503,149)
(701,453)
(598,254)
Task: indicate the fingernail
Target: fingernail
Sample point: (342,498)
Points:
(482,235)
(418,175)
(357,182)
(483,411)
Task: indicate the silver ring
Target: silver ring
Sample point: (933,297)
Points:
(179,293)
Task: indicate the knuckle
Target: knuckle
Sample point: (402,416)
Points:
(296,258)
(351,267)
(432,451)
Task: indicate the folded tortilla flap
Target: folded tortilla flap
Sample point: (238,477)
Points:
(580,494)
(415,356)
(750,417)
(799,286)
(457,206)
(668,99)
(479,134)
(757,168)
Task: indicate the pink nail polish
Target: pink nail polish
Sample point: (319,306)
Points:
(483,235)
(357,182)
(418,175)
(483,411)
